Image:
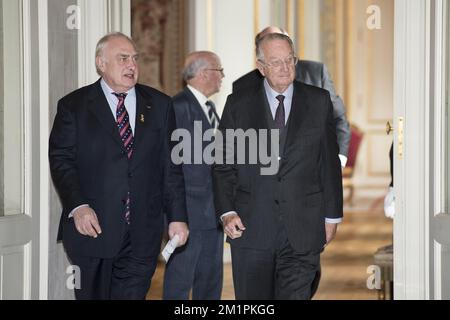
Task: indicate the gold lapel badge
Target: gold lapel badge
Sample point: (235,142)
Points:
(142,118)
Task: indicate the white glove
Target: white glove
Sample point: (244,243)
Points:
(389,204)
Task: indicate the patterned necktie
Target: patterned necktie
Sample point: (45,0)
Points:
(123,123)
(279,114)
(212,114)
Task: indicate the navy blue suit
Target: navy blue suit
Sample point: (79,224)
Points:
(89,165)
(199,264)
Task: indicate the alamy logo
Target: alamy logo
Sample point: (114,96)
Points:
(74,17)
(74,280)
(374,20)
(232,147)
(374,280)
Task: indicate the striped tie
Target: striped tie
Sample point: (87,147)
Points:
(212,114)
(123,123)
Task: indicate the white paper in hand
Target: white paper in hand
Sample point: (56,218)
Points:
(170,247)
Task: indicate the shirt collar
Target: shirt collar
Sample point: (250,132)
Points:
(201,98)
(106,89)
(273,94)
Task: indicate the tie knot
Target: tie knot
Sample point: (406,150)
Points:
(280,98)
(210,104)
(120,96)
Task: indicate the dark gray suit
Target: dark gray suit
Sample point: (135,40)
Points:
(198,265)
(315,74)
(284,214)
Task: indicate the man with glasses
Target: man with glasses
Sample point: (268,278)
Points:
(277,225)
(313,73)
(198,265)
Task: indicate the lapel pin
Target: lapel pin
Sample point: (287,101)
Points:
(149,107)
(142,118)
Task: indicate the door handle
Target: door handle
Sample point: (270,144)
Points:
(389,128)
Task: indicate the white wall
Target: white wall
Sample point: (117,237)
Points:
(311,33)
(214,29)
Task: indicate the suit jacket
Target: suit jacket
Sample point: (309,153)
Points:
(315,74)
(89,165)
(197,177)
(308,185)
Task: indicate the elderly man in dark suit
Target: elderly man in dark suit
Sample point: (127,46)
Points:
(277,225)
(110,162)
(198,265)
(312,73)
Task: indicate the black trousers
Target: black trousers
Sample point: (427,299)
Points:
(123,277)
(277,273)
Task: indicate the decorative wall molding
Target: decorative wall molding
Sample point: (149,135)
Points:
(98,18)
(411,81)
(44,172)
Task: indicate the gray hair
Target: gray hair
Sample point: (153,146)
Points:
(269,37)
(265,32)
(101,44)
(192,69)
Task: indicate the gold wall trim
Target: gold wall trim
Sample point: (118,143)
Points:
(348,57)
(288,17)
(369,72)
(209,24)
(256,13)
(339,46)
(370,110)
(300,22)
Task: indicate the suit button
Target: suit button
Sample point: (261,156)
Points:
(130,175)
(277,202)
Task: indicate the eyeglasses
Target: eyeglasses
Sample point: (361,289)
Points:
(277,64)
(216,69)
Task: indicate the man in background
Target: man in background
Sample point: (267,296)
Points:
(198,265)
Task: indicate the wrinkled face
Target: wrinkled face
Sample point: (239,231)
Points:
(278,65)
(213,75)
(118,64)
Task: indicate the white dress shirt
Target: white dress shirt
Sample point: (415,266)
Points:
(202,99)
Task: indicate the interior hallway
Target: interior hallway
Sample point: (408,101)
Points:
(345,261)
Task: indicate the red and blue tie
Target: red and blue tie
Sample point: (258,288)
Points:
(126,135)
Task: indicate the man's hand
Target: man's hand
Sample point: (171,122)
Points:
(86,222)
(181,229)
(232,225)
(330,231)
